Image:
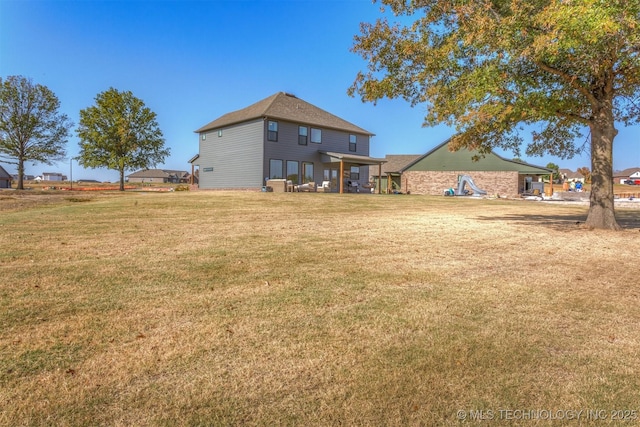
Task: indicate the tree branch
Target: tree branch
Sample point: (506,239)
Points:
(571,116)
(573,81)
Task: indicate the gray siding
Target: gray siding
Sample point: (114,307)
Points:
(287,147)
(236,157)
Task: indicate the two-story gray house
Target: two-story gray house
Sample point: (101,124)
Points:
(282,137)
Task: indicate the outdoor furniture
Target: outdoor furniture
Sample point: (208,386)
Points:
(353,186)
(371,186)
(309,186)
(325,187)
(278,185)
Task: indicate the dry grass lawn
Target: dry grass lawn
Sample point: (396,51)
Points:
(230,308)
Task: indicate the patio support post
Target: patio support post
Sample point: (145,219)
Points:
(341,176)
(379,178)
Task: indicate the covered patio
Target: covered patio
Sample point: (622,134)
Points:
(344,162)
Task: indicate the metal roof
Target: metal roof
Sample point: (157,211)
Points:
(332,156)
(441,159)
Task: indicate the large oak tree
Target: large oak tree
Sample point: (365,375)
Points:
(119,132)
(487,67)
(31,128)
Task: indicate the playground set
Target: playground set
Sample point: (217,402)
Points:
(463,181)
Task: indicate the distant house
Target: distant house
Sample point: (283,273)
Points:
(159,175)
(5,178)
(440,169)
(571,176)
(53,176)
(282,137)
(24,177)
(631,174)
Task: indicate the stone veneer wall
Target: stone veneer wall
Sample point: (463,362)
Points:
(435,182)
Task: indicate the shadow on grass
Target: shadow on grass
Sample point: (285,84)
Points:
(628,219)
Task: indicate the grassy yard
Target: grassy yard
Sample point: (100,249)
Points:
(223,308)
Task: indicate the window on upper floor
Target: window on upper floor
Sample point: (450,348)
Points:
(272,132)
(302,135)
(316,136)
(352,143)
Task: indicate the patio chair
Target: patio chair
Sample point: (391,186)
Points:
(309,186)
(325,187)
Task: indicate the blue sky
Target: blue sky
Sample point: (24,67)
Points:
(191,62)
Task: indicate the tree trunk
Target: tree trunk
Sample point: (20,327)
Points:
(121,179)
(601,210)
(20,175)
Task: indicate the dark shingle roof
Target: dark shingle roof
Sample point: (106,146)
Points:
(396,162)
(569,174)
(627,172)
(287,107)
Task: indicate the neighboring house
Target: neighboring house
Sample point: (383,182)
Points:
(53,176)
(571,176)
(24,177)
(282,137)
(391,171)
(5,178)
(631,174)
(440,169)
(159,175)
(193,178)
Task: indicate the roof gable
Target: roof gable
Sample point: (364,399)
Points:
(630,172)
(441,159)
(397,162)
(4,174)
(286,107)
